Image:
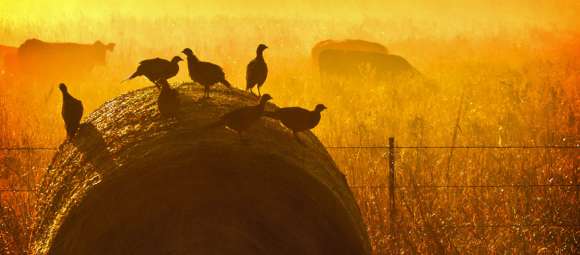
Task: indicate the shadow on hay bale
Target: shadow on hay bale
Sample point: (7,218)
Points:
(132,182)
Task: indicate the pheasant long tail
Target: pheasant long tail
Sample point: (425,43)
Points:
(135,74)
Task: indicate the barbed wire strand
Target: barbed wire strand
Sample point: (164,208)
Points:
(468,186)
(371,147)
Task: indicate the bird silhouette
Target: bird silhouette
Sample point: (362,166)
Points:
(204,73)
(257,70)
(168,101)
(72,112)
(242,118)
(297,119)
(157,69)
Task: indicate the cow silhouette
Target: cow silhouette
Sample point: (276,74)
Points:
(44,60)
(359,59)
(347,45)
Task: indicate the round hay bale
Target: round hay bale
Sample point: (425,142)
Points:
(133,182)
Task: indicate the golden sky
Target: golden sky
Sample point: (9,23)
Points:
(561,13)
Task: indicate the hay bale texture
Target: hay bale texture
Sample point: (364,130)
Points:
(133,182)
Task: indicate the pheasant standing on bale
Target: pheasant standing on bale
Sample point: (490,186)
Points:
(297,119)
(157,69)
(72,112)
(168,101)
(204,73)
(242,118)
(257,70)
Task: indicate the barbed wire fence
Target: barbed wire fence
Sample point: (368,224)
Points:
(391,152)
(390,188)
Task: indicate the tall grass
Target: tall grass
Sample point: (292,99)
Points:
(519,87)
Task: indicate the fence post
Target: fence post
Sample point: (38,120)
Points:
(391,176)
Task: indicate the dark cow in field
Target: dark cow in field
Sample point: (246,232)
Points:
(347,45)
(357,59)
(43,60)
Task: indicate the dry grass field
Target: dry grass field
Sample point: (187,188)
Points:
(493,87)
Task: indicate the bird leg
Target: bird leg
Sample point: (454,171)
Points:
(161,83)
(259,94)
(157,84)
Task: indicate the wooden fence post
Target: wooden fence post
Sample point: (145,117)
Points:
(392,208)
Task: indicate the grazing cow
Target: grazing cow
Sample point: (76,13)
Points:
(357,58)
(356,64)
(347,45)
(43,60)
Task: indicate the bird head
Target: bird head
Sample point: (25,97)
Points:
(265,98)
(319,108)
(62,88)
(187,52)
(262,47)
(176,59)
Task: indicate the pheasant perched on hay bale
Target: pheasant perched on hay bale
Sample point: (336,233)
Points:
(168,100)
(297,119)
(157,70)
(205,73)
(132,182)
(241,119)
(257,70)
(72,111)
